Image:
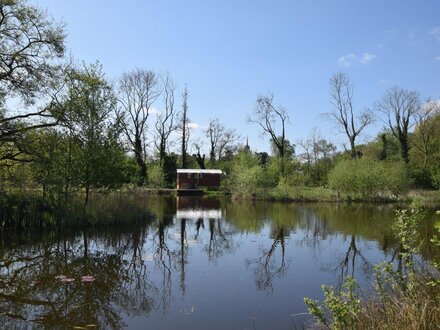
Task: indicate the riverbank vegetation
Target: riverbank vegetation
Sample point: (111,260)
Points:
(66,131)
(406,291)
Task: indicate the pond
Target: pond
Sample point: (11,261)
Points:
(193,263)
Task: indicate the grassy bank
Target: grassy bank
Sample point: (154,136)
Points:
(322,194)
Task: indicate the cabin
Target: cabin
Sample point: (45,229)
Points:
(198,178)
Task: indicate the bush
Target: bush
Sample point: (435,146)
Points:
(369,178)
(156,178)
(247,176)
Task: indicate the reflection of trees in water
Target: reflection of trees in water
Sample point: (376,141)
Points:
(29,290)
(127,284)
(162,259)
(318,223)
(219,243)
(314,231)
(183,254)
(265,267)
(348,264)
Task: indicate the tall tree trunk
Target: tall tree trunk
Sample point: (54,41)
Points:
(184,127)
(353,151)
(404,148)
(141,162)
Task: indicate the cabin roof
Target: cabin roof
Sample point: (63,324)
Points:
(196,170)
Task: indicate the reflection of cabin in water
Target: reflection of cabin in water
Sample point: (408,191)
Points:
(197,178)
(196,208)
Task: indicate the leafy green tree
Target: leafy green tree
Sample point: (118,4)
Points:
(91,102)
(48,148)
(245,176)
(156,176)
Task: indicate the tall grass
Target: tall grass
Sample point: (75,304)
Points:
(400,309)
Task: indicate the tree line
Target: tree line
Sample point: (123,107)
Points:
(64,127)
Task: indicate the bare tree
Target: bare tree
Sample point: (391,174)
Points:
(425,128)
(138,90)
(228,138)
(398,108)
(266,115)
(184,127)
(199,158)
(165,120)
(220,138)
(341,92)
(214,132)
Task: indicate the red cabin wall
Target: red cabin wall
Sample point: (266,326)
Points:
(210,180)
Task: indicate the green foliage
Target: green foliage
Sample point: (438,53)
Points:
(246,175)
(405,227)
(340,308)
(272,172)
(425,151)
(156,177)
(289,149)
(396,180)
(436,241)
(436,177)
(369,178)
(169,168)
(89,103)
(384,147)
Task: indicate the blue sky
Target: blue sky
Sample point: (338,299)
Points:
(228,52)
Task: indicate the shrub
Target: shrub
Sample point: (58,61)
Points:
(369,178)
(156,178)
(340,308)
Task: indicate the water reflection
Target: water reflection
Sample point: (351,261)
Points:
(31,290)
(191,264)
(266,267)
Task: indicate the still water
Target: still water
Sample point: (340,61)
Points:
(193,263)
